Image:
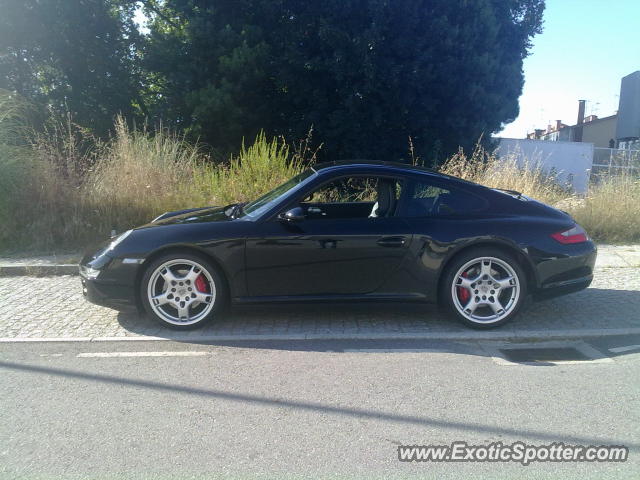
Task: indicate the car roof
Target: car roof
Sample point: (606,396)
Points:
(396,167)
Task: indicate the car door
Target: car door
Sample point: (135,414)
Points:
(337,249)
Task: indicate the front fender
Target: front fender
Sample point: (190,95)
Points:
(223,243)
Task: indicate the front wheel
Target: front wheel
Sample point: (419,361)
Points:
(484,288)
(182,290)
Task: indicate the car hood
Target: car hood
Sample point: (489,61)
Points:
(204,215)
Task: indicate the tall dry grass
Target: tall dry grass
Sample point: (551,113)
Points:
(13,155)
(611,210)
(487,169)
(33,188)
(140,174)
(60,189)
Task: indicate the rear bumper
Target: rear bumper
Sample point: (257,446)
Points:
(565,273)
(562,288)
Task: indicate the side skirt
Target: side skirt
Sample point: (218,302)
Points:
(379,297)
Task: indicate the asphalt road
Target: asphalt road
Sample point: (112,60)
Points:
(302,409)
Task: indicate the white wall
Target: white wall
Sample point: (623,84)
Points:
(571,160)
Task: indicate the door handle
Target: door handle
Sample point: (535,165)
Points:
(315,210)
(391,241)
(329,243)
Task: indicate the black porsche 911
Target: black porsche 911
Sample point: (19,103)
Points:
(348,231)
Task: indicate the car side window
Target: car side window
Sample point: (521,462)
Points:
(426,199)
(354,197)
(346,190)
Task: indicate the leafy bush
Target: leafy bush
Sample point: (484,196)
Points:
(256,170)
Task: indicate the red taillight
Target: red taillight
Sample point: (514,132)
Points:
(575,234)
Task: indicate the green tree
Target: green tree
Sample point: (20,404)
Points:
(76,55)
(366,74)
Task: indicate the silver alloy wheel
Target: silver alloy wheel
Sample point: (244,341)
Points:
(492,286)
(173,294)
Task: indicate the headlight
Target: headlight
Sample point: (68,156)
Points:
(88,272)
(118,240)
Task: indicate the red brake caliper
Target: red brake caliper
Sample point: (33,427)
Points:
(201,284)
(463,293)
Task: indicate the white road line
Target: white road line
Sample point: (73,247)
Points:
(624,349)
(140,354)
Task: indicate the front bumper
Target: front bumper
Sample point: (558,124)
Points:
(118,297)
(109,282)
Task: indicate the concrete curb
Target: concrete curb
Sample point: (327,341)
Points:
(38,270)
(461,336)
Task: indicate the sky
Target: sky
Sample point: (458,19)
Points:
(585,49)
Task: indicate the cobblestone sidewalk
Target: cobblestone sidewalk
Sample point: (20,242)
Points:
(47,307)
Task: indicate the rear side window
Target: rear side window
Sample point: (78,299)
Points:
(426,199)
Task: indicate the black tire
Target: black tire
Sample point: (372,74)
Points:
(452,299)
(213,280)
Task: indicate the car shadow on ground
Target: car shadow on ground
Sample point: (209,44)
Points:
(582,312)
(292,319)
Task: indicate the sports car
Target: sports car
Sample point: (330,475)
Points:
(342,231)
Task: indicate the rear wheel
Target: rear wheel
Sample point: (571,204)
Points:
(484,288)
(182,290)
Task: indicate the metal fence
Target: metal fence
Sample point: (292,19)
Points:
(612,161)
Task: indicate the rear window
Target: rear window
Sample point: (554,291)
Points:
(429,200)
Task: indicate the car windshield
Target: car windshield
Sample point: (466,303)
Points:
(260,205)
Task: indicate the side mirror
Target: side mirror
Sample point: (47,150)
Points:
(296,214)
